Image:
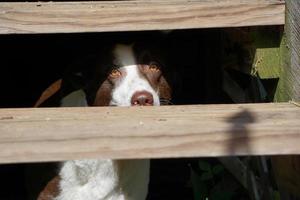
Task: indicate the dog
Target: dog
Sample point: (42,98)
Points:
(125,75)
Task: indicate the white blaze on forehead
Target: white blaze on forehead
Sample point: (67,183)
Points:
(124,55)
(132,83)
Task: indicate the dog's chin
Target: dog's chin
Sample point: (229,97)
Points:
(128,104)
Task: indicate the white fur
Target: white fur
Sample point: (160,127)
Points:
(131,83)
(74,99)
(124,55)
(104,180)
(109,179)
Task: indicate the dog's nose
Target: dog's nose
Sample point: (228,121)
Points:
(142,98)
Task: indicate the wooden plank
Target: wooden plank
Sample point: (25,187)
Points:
(52,134)
(289,85)
(287,168)
(69,17)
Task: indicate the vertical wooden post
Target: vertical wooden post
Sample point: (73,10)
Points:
(287,168)
(289,84)
(293,42)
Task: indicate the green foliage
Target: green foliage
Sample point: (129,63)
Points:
(212,182)
(209,171)
(217,169)
(199,186)
(205,166)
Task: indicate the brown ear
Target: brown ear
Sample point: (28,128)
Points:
(51,190)
(103,95)
(165,91)
(49,92)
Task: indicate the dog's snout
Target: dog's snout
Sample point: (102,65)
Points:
(142,98)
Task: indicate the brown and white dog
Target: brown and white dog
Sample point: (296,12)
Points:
(134,77)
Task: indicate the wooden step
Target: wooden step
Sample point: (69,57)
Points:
(54,134)
(136,15)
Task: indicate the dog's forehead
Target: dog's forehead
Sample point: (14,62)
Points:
(125,59)
(128,68)
(124,55)
(131,54)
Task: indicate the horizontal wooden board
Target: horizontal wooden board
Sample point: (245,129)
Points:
(53,134)
(135,15)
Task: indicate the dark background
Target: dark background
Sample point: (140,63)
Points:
(30,63)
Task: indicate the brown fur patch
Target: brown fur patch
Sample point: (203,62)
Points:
(157,82)
(103,95)
(51,190)
(165,91)
(49,92)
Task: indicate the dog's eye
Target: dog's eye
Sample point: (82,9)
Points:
(115,73)
(153,67)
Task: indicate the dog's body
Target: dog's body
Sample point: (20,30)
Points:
(104,179)
(135,78)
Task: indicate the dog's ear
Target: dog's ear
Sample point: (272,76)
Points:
(77,76)
(85,74)
(79,73)
(50,95)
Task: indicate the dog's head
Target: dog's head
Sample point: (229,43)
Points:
(135,78)
(122,75)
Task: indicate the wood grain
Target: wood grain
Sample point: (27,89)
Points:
(287,168)
(293,77)
(53,134)
(69,17)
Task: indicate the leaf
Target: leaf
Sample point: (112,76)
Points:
(276,195)
(220,193)
(206,176)
(205,166)
(217,169)
(200,189)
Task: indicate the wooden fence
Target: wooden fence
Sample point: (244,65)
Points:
(29,135)
(100,16)
(50,134)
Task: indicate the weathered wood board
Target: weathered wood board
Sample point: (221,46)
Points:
(289,87)
(53,134)
(70,17)
(287,168)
